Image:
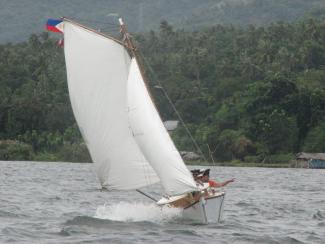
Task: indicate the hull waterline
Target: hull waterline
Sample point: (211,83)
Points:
(206,209)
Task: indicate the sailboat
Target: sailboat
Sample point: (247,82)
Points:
(120,125)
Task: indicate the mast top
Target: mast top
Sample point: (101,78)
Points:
(128,43)
(121,21)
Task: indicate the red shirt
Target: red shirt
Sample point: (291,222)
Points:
(212,183)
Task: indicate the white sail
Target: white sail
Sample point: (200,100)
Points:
(153,139)
(97,71)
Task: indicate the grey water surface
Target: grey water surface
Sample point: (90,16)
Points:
(46,202)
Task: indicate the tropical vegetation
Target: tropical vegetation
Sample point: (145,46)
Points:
(254,94)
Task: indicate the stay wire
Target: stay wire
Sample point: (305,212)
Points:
(100,22)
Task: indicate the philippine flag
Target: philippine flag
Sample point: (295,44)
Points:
(55,25)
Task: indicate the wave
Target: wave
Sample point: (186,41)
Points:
(10,214)
(138,212)
(319,215)
(86,220)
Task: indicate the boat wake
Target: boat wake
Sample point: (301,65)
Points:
(137,212)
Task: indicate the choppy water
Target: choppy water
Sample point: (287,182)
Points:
(62,203)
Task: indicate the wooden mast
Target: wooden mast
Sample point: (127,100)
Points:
(128,43)
(126,37)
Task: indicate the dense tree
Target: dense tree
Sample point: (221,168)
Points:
(243,91)
(253,91)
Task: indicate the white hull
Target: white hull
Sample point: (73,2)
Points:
(206,210)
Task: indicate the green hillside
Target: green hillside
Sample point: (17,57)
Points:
(250,94)
(20,18)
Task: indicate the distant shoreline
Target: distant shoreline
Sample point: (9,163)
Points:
(243,164)
(188,163)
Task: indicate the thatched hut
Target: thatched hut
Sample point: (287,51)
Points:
(310,160)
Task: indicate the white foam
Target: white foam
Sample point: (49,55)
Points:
(137,211)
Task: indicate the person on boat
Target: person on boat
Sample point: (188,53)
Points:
(204,177)
(195,173)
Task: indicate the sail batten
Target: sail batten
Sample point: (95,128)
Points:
(153,139)
(97,72)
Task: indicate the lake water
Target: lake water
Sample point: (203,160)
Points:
(62,203)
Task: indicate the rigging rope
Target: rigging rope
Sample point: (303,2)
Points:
(100,22)
(173,106)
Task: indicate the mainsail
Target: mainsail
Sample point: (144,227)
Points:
(116,116)
(97,71)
